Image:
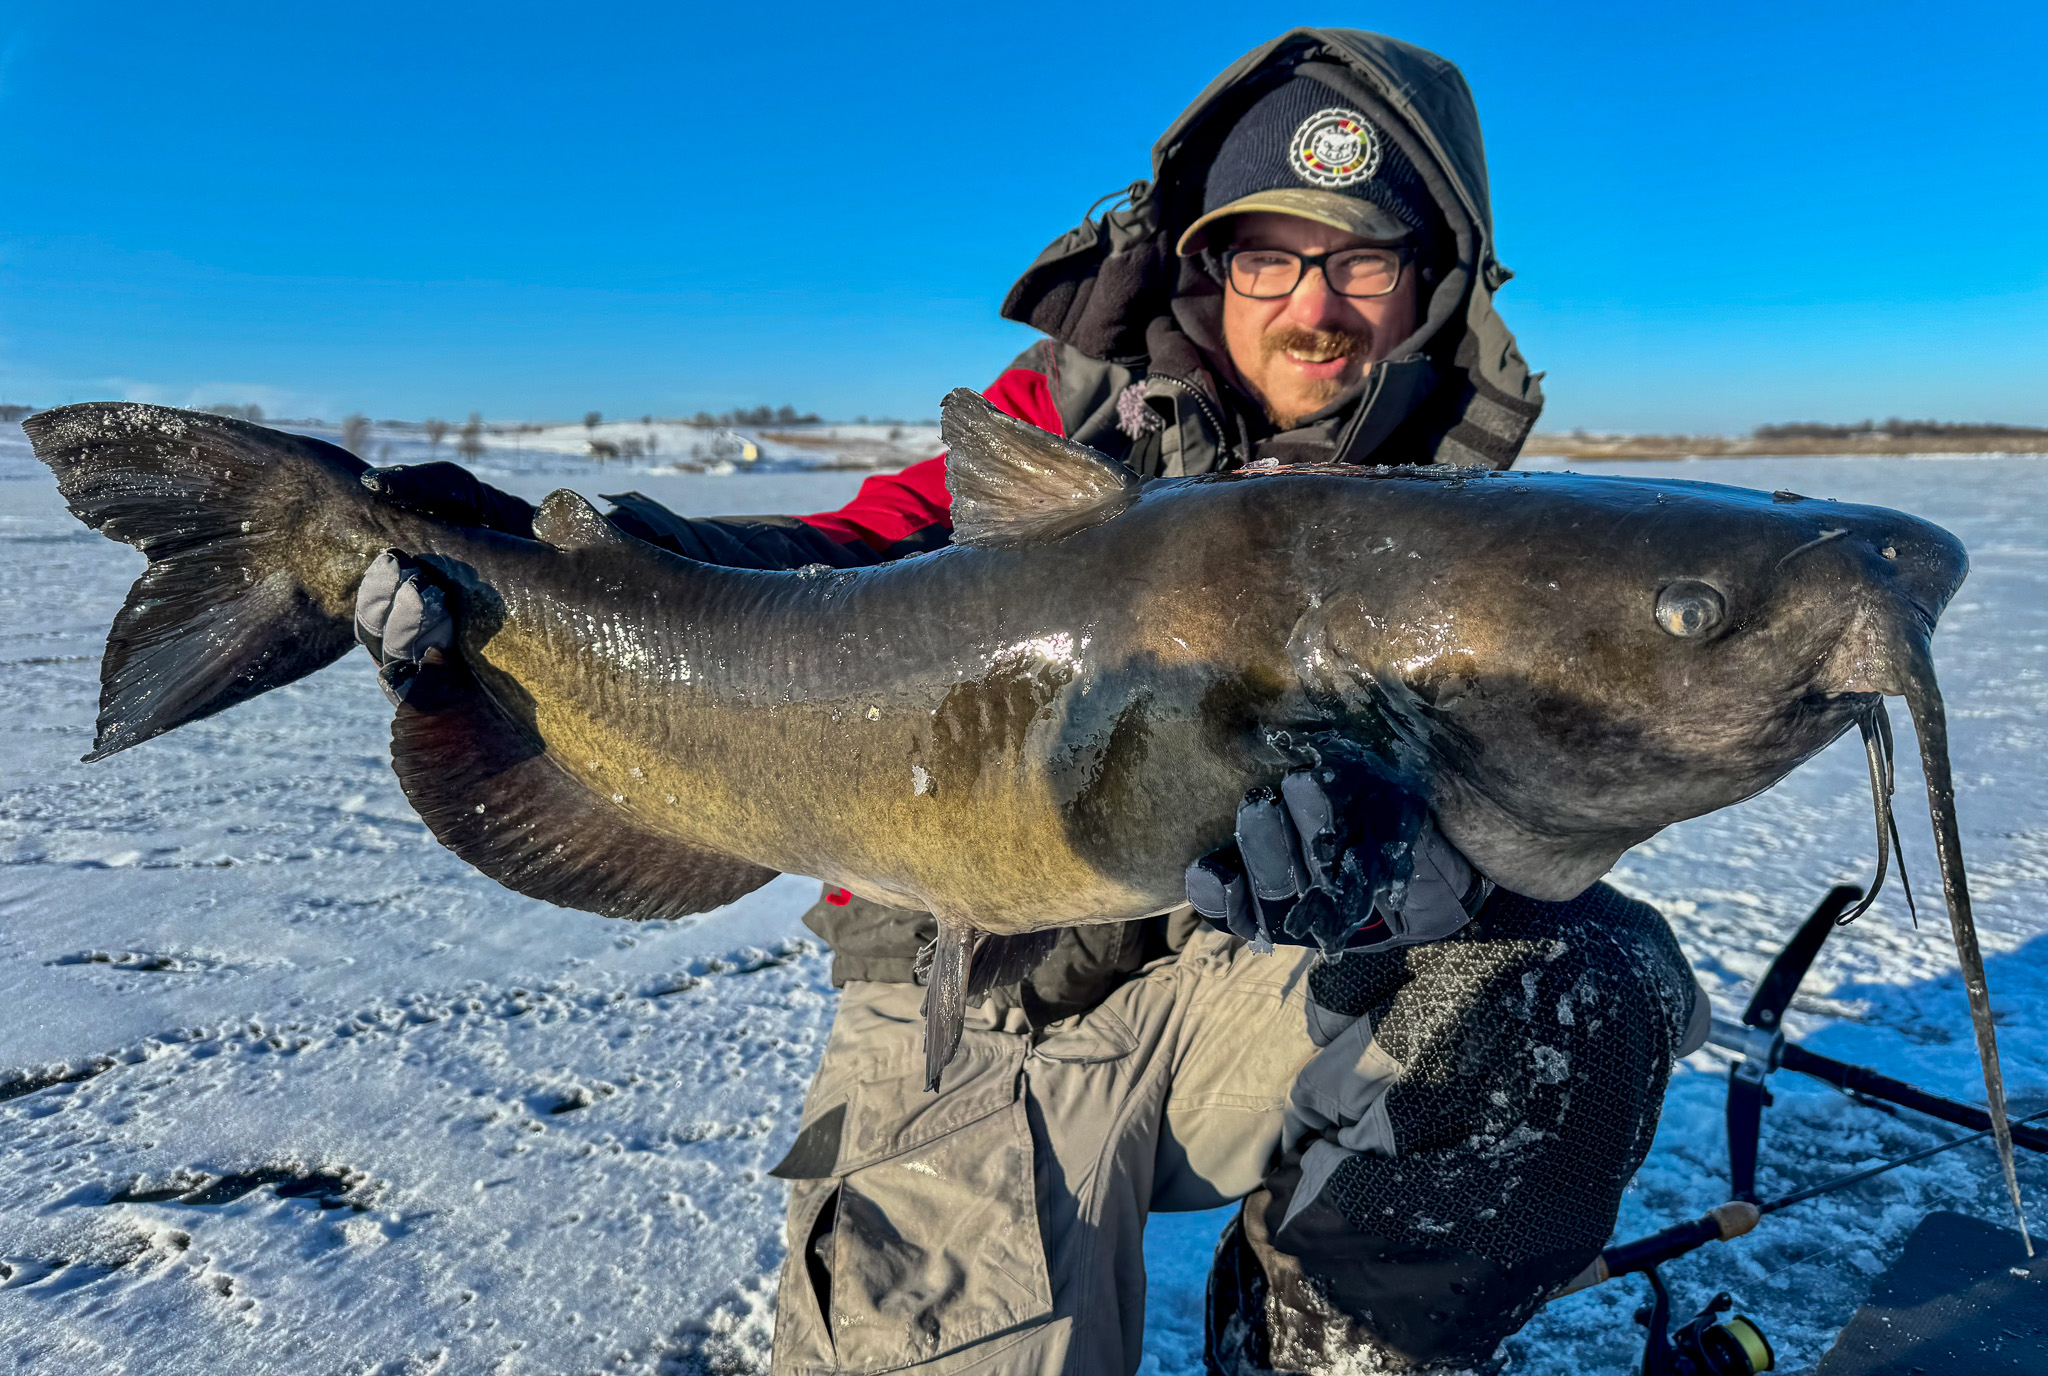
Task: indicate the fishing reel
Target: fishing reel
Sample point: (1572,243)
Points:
(1705,1346)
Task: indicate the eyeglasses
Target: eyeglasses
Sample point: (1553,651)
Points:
(1267,273)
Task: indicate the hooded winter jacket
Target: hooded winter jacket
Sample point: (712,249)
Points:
(1129,367)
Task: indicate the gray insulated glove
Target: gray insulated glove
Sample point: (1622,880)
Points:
(405,620)
(1339,856)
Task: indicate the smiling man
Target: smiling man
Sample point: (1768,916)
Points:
(1310,308)
(1320,228)
(1429,1109)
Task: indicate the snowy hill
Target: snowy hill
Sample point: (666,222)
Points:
(285,1084)
(612,448)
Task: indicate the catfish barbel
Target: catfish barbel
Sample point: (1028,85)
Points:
(1044,723)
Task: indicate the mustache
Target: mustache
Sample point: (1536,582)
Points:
(1324,344)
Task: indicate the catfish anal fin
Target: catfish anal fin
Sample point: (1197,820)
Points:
(485,787)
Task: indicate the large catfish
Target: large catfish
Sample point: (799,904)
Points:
(1043,724)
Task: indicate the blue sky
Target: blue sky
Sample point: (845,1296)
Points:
(1719,215)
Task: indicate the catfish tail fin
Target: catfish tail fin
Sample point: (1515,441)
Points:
(253,557)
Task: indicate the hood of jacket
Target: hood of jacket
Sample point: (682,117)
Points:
(1459,389)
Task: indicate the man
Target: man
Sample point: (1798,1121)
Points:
(1429,1112)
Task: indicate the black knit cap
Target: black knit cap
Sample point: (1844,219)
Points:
(1302,150)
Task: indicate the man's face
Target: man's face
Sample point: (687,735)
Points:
(1299,353)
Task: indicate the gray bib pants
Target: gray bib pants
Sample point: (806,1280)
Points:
(1430,1143)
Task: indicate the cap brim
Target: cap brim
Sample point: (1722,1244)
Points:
(1348,213)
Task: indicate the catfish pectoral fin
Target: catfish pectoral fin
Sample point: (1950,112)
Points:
(945,996)
(1001,960)
(965,963)
(487,789)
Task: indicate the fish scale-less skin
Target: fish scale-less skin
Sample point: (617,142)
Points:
(1021,781)
(941,732)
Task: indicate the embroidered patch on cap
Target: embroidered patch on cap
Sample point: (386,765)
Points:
(1334,148)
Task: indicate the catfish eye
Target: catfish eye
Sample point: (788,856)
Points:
(1691,609)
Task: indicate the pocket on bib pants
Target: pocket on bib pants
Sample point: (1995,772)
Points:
(926,1240)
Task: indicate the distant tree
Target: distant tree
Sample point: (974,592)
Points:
(647,420)
(860,420)
(252,412)
(703,420)
(355,430)
(895,433)
(786,415)
(592,419)
(1896,428)
(470,443)
(11,413)
(437,430)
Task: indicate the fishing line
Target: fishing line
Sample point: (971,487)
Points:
(1842,1182)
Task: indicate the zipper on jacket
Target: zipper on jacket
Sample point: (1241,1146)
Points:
(1225,448)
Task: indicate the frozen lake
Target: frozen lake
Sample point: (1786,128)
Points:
(285,1084)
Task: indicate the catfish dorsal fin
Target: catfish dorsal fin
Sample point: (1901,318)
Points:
(567,520)
(1015,484)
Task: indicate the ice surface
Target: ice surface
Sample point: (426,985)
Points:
(314,1096)
(653,446)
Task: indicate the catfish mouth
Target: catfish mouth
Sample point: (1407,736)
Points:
(1549,821)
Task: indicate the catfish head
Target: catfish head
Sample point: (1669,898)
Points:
(1573,663)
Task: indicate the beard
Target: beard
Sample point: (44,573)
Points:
(1318,346)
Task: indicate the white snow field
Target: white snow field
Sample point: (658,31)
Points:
(616,447)
(287,1088)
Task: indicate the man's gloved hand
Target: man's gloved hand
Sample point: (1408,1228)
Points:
(405,620)
(449,492)
(1337,856)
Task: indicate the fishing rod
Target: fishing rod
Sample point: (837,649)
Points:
(1707,1346)
(1728,1221)
(1759,1040)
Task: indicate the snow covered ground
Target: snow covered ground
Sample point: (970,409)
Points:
(617,447)
(286,1088)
